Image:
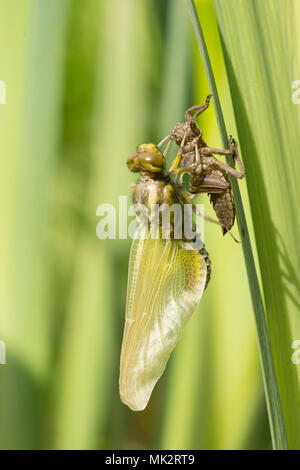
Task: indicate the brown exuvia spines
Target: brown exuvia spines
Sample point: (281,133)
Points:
(208,174)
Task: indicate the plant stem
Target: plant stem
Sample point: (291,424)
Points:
(276,421)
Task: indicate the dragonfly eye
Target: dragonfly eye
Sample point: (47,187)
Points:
(148,158)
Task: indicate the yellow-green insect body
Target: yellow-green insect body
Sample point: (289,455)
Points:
(166,279)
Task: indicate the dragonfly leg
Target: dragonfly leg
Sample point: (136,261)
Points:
(178,157)
(163,140)
(188,116)
(233,145)
(224,166)
(181,170)
(167,147)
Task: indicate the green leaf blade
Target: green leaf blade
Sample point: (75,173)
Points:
(271,389)
(256,56)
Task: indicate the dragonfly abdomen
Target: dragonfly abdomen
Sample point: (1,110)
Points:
(205,255)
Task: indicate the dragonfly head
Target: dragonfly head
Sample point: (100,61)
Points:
(148,159)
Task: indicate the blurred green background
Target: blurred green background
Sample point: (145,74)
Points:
(86,82)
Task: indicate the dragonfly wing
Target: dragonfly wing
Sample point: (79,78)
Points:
(165,283)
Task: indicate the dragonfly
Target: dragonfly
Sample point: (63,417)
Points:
(166,280)
(208,174)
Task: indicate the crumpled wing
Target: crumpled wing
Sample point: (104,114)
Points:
(165,283)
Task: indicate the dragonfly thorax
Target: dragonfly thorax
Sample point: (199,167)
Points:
(149,191)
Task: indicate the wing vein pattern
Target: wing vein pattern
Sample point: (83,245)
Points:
(165,283)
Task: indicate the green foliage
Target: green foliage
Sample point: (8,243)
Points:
(88,80)
(267,364)
(257,47)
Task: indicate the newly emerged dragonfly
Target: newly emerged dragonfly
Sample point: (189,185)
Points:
(166,280)
(209,175)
